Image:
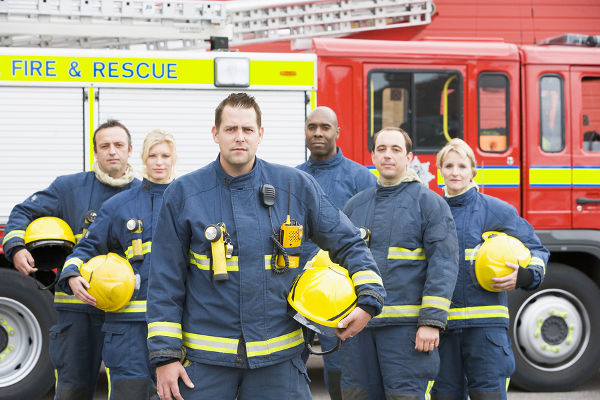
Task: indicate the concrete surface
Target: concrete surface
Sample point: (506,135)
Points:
(588,391)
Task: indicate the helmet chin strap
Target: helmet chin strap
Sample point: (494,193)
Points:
(322,353)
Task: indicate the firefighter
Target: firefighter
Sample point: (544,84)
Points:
(340,178)
(124,226)
(225,254)
(413,240)
(76,339)
(475,352)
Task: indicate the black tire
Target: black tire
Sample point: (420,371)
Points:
(565,351)
(26,315)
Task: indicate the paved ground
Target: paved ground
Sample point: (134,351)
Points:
(588,391)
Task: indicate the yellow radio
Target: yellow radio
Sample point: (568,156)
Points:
(290,235)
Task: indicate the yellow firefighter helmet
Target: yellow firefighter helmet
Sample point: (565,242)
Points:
(49,240)
(112,281)
(322,295)
(497,249)
(320,260)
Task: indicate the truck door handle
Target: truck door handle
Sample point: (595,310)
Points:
(585,200)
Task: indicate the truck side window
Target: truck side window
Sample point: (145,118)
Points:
(590,103)
(552,115)
(493,105)
(426,104)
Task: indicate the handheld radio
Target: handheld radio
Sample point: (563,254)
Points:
(290,235)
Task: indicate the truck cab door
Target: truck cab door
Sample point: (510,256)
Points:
(585,137)
(547,147)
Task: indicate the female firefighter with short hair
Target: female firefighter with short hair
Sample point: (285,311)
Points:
(476,359)
(124,226)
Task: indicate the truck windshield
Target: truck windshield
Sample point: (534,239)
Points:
(426,104)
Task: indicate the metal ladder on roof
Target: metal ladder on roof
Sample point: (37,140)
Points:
(188,23)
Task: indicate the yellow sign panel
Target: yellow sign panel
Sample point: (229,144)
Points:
(296,73)
(502,177)
(130,70)
(105,70)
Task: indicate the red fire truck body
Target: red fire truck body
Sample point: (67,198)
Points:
(532,116)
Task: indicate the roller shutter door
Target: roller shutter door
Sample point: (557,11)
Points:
(189,116)
(41,137)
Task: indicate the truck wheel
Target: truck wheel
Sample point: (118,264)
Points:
(26,315)
(554,331)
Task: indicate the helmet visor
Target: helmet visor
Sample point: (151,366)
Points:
(320,329)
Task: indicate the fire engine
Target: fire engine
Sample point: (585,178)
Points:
(531,114)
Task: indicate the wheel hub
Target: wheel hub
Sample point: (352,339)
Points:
(21,337)
(554,330)
(550,330)
(3,339)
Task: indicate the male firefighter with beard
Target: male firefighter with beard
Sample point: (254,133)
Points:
(76,340)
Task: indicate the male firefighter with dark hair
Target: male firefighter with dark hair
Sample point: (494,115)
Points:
(340,178)
(76,339)
(225,253)
(413,240)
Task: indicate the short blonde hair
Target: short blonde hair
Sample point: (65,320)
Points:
(459,146)
(153,138)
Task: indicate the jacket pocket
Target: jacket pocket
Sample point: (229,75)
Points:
(114,352)
(500,342)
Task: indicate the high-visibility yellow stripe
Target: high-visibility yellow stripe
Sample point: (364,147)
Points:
(109,381)
(137,306)
(62,297)
(492,176)
(275,344)
(78,237)
(210,343)
(282,73)
(163,328)
(365,277)
(470,254)
(146,248)
(586,176)
(539,262)
(405,311)
(428,390)
(77,262)
(478,312)
(400,253)
(13,234)
(293,261)
(399,311)
(551,176)
(435,302)
(203,262)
